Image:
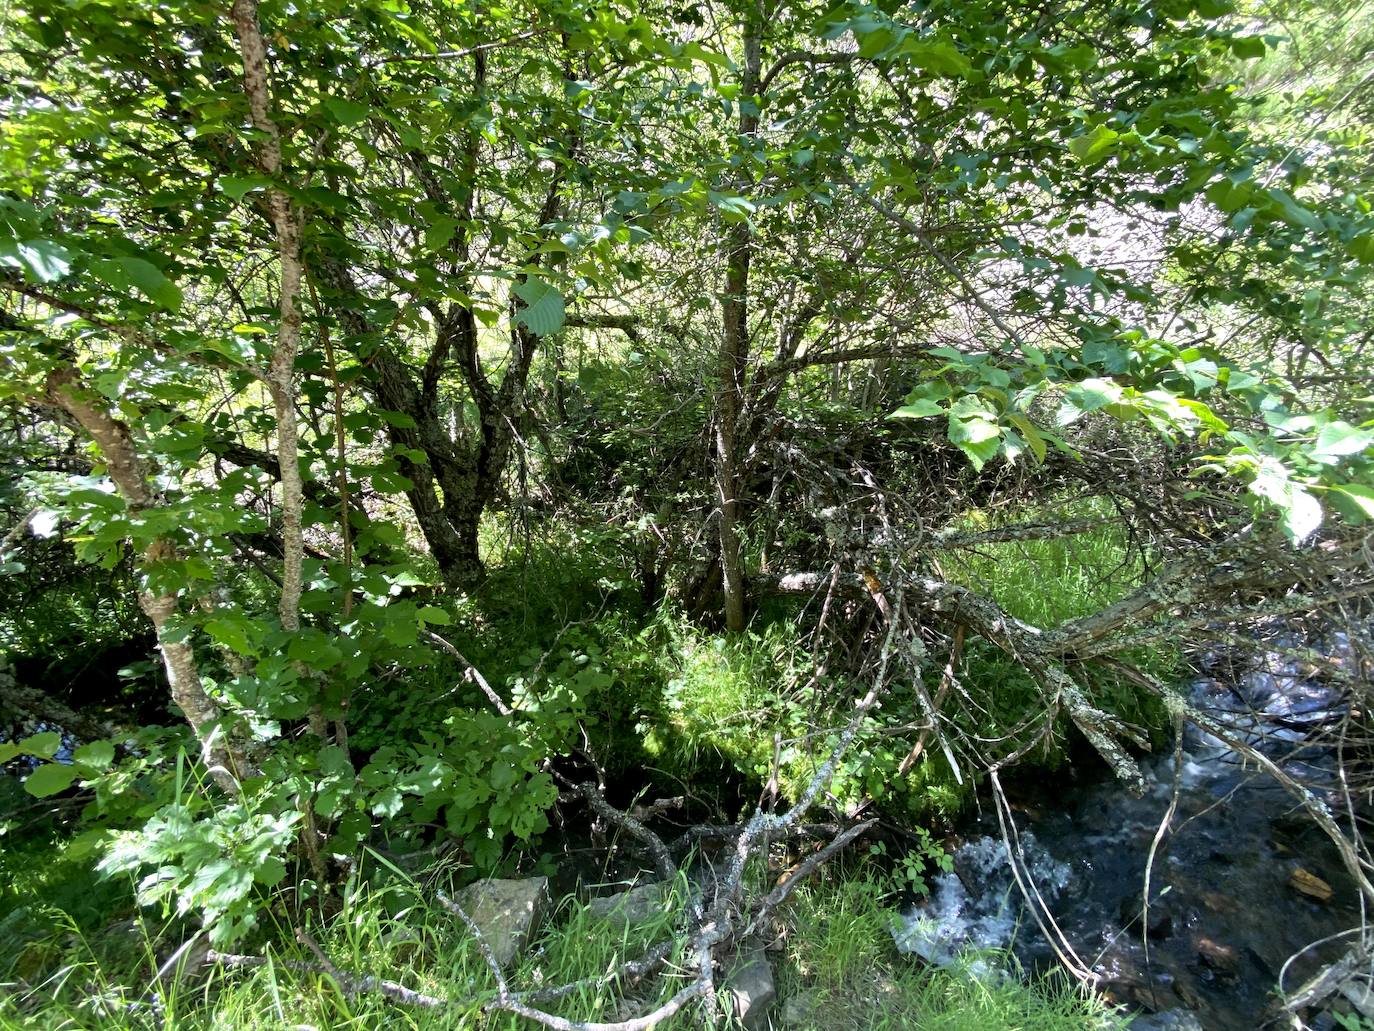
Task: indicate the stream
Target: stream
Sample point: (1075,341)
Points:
(1240,883)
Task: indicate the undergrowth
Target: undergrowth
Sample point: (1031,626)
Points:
(837,968)
(711,715)
(642,691)
(1046,582)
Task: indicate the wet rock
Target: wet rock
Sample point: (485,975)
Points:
(1168,1020)
(1310,884)
(1128,993)
(1261,963)
(751,988)
(1218,902)
(1192,1001)
(1224,959)
(507,912)
(1161,918)
(639,905)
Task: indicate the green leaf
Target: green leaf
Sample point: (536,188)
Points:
(384,481)
(972,431)
(440,232)
(43,746)
(49,779)
(396,420)
(313,648)
(1031,432)
(1299,512)
(270,871)
(44,260)
(411,32)
(543,311)
(1095,144)
(1088,396)
(979,453)
(934,56)
(920,409)
(236,187)
(1248,48)
(85,843)
(434,614)
(347,112)
(741,207)
(134,273)
(1294,213)
(98,754)
(973,428)
(231,631)
(1338,439)
(1229,196)
(1354,501)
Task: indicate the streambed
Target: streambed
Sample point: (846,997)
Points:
(1241,882)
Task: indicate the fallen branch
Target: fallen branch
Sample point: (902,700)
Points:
(667,869)
(472,674)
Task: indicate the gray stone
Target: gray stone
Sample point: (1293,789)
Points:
(751,987)
(1168,1020)
(506,912)
(798,1011)
(639,905)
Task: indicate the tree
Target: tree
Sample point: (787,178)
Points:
(850,275)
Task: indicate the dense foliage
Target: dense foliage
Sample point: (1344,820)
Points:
(414,408)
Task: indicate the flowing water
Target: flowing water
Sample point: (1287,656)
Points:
(1237,884)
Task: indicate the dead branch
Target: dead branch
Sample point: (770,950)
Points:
(473,674)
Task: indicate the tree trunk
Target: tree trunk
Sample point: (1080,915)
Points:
(280,376)
(225,756)
(734,351)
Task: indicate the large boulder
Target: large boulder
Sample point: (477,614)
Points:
(506,912)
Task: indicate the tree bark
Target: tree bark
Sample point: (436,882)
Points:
(224,755)
(734,351)
(280,375)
